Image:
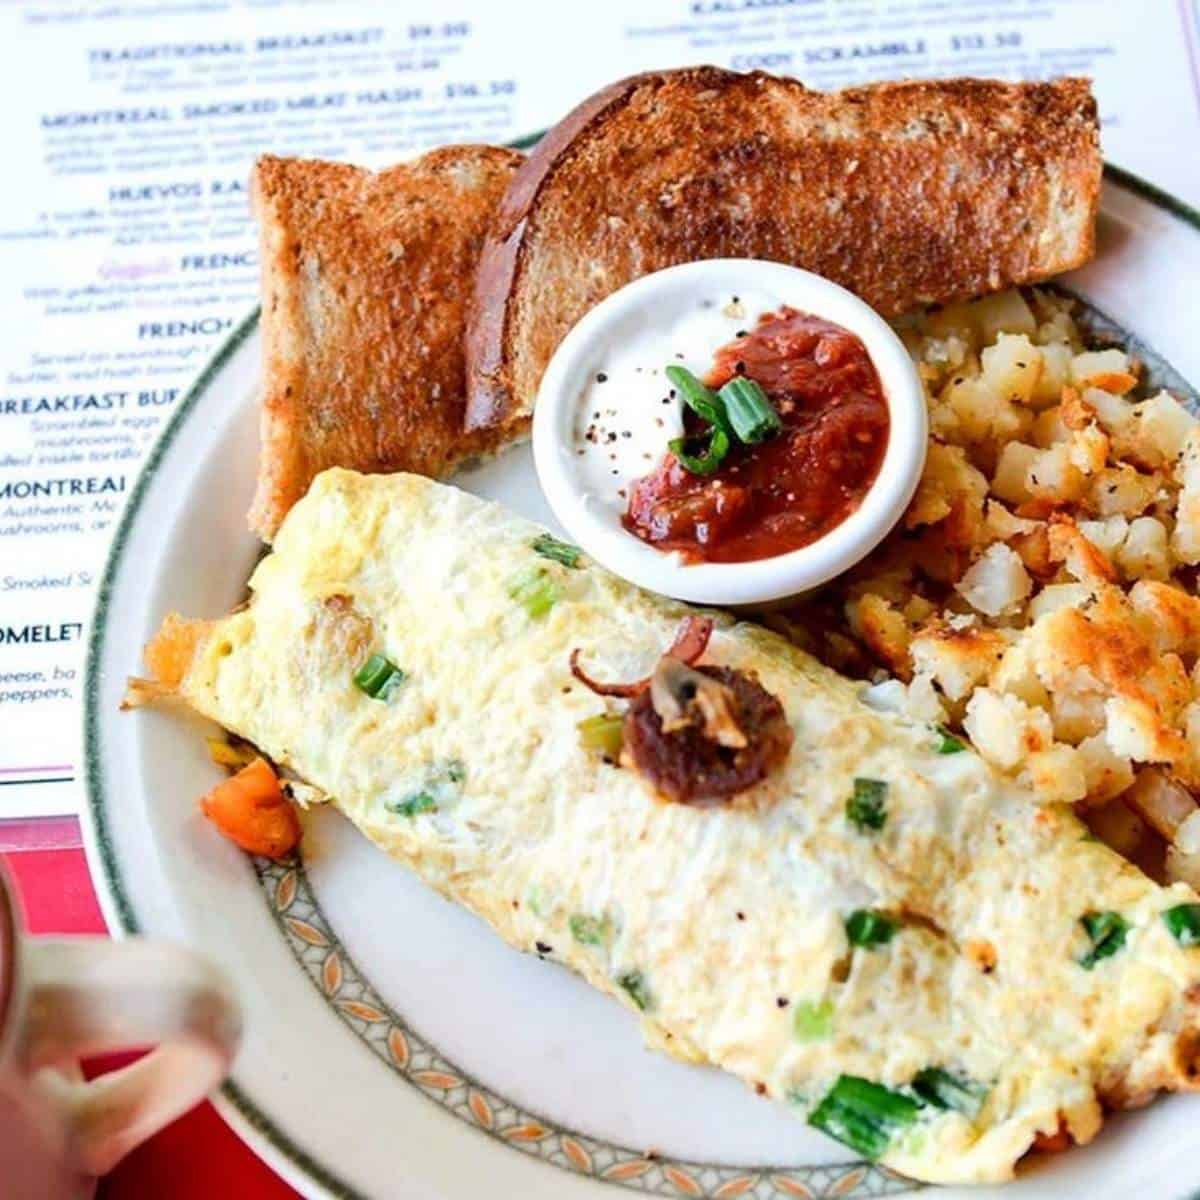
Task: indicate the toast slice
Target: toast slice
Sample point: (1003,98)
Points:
(906,193)
(366,279)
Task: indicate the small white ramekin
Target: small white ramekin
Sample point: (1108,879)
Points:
(662,296)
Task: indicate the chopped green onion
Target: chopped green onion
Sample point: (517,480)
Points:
(947,743)
(866,809)
(603,732)
(591,931)
(534,590)
(944,1089)
(377,676)
(749,410)
(455,770)
(1107,931)
(419,802)
(813,1020)
(868,927)
(703,401)
(707,405)
(1184,923)
(707,462)
(552,548)
(634,984)
(863,1115)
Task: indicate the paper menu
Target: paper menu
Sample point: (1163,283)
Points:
(128,251)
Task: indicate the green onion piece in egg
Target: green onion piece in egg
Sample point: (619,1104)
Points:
(634,984)
(377,676)
(868,928)
(560,552)
(945,1089)
(1184,923)
(863,1115)
(534,590)
(812,1020)
(867,807)
(1107,932)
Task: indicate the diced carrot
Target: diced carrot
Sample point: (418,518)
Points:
(251,810)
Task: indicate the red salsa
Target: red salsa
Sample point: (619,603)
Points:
(785,493)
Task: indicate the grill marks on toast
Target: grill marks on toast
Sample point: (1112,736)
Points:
(366,278)
(907,193)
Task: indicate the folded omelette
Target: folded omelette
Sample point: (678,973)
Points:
(912,954)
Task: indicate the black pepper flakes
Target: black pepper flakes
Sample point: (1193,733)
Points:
(601,377)
(741,916)
(781,1002)
(542,948)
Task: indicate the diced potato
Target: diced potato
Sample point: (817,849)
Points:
(924,703)
(1011,482)
(1002,524)
(1107,369)
(1185,541)
(1059,595)
(1106,535)
(1055,374)
(1183,868)
(1049,427)
(957,660)
(996,583)
(1107,774)
(1118,827)
(1078,553)
(1122,489)
(945,354)
(980,411)
(1115,413)
(1015,675)
(1076,715)
(948,479)
(1011,367)
(1161,424)
(1144,554)
(1187,836)
(882,628)
(1088,449)
(1055,775)
(1053,474)
(1134,730)
(1172,616)
(1004,729)
(951,320)
(1003,312)
(1160,801)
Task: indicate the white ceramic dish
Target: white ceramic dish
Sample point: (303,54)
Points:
(658,300)
(394,1046)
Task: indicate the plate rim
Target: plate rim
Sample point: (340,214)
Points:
(256,1128)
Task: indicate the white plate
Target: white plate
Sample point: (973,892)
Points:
(395,1047)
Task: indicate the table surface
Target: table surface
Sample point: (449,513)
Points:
(196,1158)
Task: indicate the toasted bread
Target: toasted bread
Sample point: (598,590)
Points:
(907,193)
(366,279)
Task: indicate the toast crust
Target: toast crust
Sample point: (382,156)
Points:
(907,193)
(366,279)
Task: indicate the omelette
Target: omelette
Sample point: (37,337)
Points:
(912,954)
